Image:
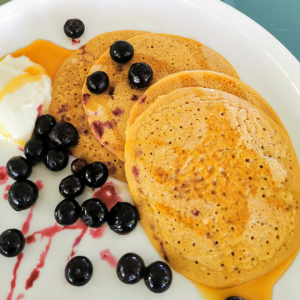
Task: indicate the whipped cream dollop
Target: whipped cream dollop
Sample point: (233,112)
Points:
(25,92)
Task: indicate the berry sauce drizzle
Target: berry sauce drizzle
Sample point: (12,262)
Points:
(26,225)
(13,282)
(36,271)
(75,42)
(39,110)
(107,256)
(39,184)
(3,175)
(5,194)
(97,233)
(106,193)
(77,241)
(50,232)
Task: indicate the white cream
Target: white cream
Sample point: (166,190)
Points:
(25,89)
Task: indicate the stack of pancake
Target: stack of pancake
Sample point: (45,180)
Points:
(209,164)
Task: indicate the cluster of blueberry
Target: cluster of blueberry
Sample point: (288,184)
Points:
(139,75)
(122,218)
(24,193)
(49,144)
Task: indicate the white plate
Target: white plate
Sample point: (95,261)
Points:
(260,60)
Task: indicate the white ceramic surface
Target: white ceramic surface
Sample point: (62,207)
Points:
(260,60)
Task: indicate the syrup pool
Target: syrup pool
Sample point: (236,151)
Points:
(108,257)
(3,175)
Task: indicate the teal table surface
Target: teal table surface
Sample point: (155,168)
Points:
(280,17)
(3,1)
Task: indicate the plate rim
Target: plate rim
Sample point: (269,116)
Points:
(18,6)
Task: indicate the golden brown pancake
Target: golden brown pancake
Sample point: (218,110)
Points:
(215,180)
(203,79)
(66,98)
(166,54)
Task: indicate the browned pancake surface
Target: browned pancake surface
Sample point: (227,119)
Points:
(203,79)
(215,180)
(166,54)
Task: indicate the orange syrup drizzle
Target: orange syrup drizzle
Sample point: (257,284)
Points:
(46,54)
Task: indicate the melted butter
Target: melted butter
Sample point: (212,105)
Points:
(46,54)
(259,289)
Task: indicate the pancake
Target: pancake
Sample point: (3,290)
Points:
(203,79)
(66,99)
(215,180)
(166,54)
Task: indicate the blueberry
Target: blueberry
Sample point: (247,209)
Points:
(35,150)
(98,82)
(93,213)
(78,166)
(140,75)
(96,174)
(71,186)
(67,212)
(22,195)
(123,218)
(158,277)
(234,298)
(79,271)
(130,268)
(56,159)
(64,134)
(74,28)
(12,242)
(121,52)
(43,126)
(18,168)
